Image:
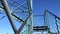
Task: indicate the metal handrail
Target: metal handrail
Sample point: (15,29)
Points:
(52,14)
(55,18)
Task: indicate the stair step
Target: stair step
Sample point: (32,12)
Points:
(40,28)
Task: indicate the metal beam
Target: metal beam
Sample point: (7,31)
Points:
(30,22)
(53,14)
(57,25)
(1,7)
(12,14)
(18,3)
(8,13)
(23,24)
(17,17)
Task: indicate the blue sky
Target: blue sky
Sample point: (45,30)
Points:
(38,7)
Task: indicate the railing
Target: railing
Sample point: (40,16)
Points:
(47,21)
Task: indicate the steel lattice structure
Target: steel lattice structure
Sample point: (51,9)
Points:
(28,21)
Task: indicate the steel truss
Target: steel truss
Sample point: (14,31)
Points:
(29,20)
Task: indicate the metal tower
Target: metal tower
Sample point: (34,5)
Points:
(27,21)
(29,18)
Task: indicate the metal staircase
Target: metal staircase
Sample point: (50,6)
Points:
(30,28)
(40,28)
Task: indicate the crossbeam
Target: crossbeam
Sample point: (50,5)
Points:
(40,28)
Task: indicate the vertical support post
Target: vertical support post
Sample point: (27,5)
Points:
(57,25)
(30,22)
(8,13)
(42,32)
(46,20)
